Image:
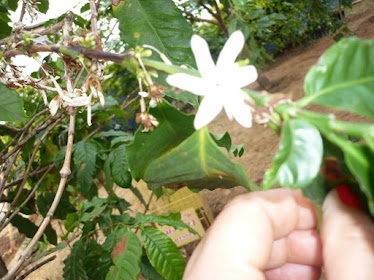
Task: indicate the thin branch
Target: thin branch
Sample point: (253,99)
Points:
(31,161)
(191,17)
(7,172)
(40,127)
(220,20)
(65,172)
(111,31)
(39,265)
(73,51)
(23,11)
(30,195)
(11,128)
(25,128)
(52,29)
(32,174)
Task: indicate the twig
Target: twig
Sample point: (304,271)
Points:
(40,127)
(32,174)
(25,128)
(39,265)
(23,11)
(52,29)
(65,172)
(31,160)
(73,51)
(30,195)
(191,17)
(220,20)
(7,172)
(11,128)
(111,31)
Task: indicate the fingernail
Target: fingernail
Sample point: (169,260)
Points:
(348,196)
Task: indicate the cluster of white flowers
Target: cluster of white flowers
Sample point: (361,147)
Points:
(220,83)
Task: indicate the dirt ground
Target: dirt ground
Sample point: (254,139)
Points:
(261,143)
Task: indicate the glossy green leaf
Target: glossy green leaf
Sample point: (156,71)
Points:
(299,158)
(128,253)
(112,133)
(224,140)
(73,269)
(360,161)
(343,78)
(163,254)
(317,190)
(24,226)
(158,23)
(43,6)
(171,219)
(11,105)
(85,161)
(174,127)
(202,164)
(148,271)
(120,168)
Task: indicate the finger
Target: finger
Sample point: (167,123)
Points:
(242,236)
(300,247)
(348,241)
(291,271)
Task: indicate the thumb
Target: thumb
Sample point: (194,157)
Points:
(348,241)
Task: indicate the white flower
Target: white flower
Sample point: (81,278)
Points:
(220,84)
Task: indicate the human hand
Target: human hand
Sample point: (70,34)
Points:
(262,235)
(271,235)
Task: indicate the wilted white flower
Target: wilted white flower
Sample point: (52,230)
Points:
(220,83)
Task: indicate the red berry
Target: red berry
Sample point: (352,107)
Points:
(348,196)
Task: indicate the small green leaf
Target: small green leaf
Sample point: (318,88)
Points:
(73,269)
(163,254)
(24,226)
(126,256)
(11,105)
(171,219)
(120,168)
(43,6)
(343,78)
(317,190)
(224,140)
(299,157)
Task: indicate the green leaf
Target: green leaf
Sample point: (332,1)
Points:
(202,165)
(238,24)
(11,105)
(51,235)
(59,246)
(299,157)
(24,226)
(121,139)
(43,6)
(111,133)
(85,161)
(174,127)
(12,4)
(163,254)
(343,78)
(44,201)
(73,269)
(127,256)
(171,219)
(224,140)
(317,190)
(158,23)
(360,160)
(120,168)
(148,271)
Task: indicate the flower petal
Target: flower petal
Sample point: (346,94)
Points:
(196,85)
(245,76)
(203,58)
(237,108)
(209,108)
(231,50)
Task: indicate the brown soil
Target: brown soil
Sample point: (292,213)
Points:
(261,143)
